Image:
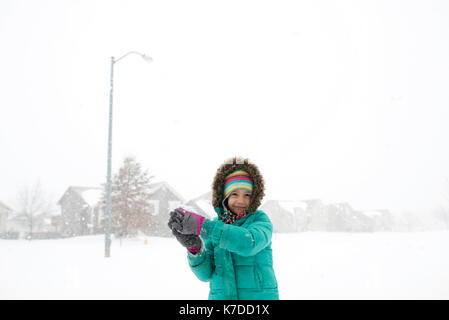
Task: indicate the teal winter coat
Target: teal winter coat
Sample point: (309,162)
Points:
(236,258)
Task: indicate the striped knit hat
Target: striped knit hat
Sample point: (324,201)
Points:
(238,179)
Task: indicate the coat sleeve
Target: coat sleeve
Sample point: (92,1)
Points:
(245,241)
(202,263)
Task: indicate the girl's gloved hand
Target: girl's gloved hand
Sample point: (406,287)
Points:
(186,222)
(191,241)
(175,220)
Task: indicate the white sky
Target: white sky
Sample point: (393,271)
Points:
(339,100)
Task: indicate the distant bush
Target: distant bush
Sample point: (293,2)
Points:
(10,235)
(43,235)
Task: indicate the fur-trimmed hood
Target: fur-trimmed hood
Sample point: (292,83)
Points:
(231,165)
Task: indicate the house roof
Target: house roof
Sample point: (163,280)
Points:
(290,206)
(4,206)
(204,203)
(372,213)
(158,185)
(204,196)
(207,207)
(91,195)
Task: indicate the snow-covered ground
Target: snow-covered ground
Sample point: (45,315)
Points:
(311,265)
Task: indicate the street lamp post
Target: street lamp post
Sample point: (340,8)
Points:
(107,240)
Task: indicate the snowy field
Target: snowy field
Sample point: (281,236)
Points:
(312,265)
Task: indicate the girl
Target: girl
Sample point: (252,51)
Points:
(232,251)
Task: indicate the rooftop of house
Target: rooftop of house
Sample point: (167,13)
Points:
(4,207)
(92,195)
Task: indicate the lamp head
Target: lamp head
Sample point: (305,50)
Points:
(147,58)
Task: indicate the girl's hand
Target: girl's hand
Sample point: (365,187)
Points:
(190,241)
(186,222)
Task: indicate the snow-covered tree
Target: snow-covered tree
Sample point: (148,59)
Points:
(129,198)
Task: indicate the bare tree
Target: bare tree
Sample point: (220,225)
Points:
(32,207)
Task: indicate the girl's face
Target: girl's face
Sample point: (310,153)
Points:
(239,201)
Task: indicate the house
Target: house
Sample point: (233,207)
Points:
(285,215)
(81,212)
(343,218)
(20,226)
(382,220)
(318,214)
(293,216)
(163,199)
(4,213)
(315,215)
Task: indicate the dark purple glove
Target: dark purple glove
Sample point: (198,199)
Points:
(175,220)
(191,241)
(186,222)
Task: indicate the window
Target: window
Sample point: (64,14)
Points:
(154,207)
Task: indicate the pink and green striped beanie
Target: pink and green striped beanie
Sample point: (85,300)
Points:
(238,179)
